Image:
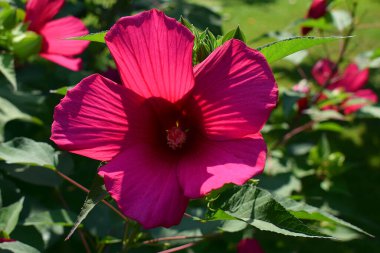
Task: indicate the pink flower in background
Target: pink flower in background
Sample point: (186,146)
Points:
(318,8)
(352,80)
(54,33)
(170,131)
(304,88)
(6,240)
(249,246)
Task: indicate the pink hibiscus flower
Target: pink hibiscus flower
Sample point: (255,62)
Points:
(249,246)
(170,132)
(352,80)
(318,8)
(54,33)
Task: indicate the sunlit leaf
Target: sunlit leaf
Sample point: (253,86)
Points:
(26,151)
(52,217)
(94,37)
(258,208)
(280,49)
(17,247)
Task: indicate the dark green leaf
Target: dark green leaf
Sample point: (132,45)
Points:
(26,151)
(9,216)
(97,193)
(95,37)
(8,69)
(7,18)
(258,208)
(17,247)
(280,49)
(307,212)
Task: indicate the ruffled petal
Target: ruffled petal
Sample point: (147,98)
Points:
(39,12)
(144,184)
(353,78)
(93,119)
(234,92)
(55,36)
(215,163)
(359,99)
(74,64)
(153,54)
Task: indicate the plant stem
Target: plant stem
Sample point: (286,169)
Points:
(185,246)
(172,238)
(78,185)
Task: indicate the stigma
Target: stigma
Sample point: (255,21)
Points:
(175,137)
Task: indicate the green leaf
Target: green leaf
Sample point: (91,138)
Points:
(9,216)
(341,19)
(236,33)
(369,112)
(8,18)
(258,208)
(52,217)
(307,212)
(26,151)
(280,49)
(8,69)
(9,112)
(17,247)
(62,90)
(95,37)
(320,23)
(97,193)
(323,115)
(328,126)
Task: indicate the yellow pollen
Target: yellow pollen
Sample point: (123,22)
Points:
(175,137)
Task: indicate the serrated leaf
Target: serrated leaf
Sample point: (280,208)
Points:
(52,217)
(17,247)
(97,193)
(258,208)
(7,68)
(9,216)
(26,151)
(307,212)
(277,50)
(9,112)
(94,37)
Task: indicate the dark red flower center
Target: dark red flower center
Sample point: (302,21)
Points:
(176,136)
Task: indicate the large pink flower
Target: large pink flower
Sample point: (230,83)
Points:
(318,8)
(170,132)
(54,33)
(352,80)
(249,246)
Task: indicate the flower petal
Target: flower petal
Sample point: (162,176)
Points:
(144,185)
(215,163)
(249,246)
(56,33)
(39,12)
(360,99)
(353,78)
(318,8)
(157,60)
(74,64)
(92,119)
(323,71)
(234,91)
